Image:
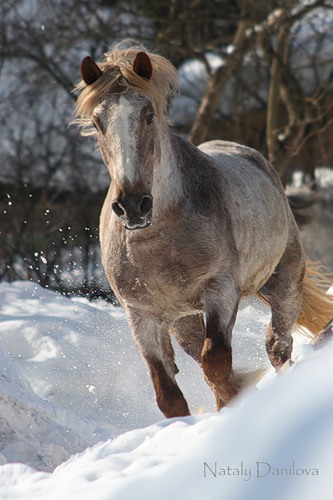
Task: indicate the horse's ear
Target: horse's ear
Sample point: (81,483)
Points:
(142,65)
(90,72)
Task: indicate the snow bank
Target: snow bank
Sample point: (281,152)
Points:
(65,387)
(77,354)
(275,444)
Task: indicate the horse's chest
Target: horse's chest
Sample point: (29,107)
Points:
(153,274)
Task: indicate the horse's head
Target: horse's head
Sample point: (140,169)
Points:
(126,122)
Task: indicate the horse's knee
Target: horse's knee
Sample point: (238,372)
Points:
(190,334)
(169,397)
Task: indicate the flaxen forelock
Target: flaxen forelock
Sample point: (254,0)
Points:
(118,76)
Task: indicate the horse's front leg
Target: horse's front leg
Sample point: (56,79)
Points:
(216,355)
(155,347)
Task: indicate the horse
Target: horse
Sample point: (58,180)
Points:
(189,232)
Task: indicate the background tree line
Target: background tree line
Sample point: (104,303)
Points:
(262,75)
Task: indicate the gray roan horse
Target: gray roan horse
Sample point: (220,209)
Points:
(187,233)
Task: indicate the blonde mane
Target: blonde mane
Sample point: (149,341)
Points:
(118,76)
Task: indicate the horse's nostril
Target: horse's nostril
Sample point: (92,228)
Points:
(146,204)
(118,209)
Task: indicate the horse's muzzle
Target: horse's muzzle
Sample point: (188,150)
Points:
(134,210)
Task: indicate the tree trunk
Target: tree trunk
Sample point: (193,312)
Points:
(273,122)
(217,83)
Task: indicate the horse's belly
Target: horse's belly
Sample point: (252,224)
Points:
(253,279)
(259,255)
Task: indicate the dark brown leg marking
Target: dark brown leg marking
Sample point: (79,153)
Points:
(216,359)
(169,397)
(217,365)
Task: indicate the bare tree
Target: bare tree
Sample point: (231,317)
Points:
(258,43)
(290,107)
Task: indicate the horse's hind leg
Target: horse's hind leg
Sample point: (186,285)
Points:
(155,346)
(284,291)
(216,355)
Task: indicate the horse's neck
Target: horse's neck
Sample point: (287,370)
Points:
(168,183)
(184,173)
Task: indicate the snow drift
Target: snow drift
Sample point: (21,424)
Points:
(71,382)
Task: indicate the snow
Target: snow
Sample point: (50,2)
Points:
(78,417)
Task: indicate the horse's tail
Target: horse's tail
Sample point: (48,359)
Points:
(317,305)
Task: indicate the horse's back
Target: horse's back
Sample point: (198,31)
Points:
(247,179)
(226,153)
(258,208)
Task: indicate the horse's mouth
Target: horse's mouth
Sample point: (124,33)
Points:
(134,226)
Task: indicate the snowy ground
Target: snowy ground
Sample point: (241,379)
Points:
(71,382)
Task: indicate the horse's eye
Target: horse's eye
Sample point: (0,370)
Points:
(150,119)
